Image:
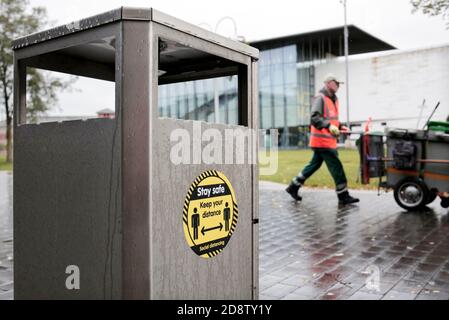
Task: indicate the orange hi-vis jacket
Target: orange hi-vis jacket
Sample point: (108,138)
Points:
(323,138)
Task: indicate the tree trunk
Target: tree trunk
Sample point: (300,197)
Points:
(9,140)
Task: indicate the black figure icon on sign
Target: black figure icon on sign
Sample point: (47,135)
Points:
(195,223)
(226,216)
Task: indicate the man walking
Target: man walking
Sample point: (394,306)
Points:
(324,131)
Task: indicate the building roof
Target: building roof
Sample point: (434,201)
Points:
(328,41)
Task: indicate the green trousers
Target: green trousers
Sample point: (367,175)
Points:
(333,163)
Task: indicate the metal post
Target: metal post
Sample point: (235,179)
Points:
(421,109)
(346,39)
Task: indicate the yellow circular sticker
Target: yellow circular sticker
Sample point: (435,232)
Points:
(210,214)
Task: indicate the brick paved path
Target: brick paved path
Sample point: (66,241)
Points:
(6,257)
(314,250)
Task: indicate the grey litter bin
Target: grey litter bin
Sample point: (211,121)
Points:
(100,210)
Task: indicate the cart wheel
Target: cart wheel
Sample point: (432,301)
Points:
(411,193)
(431,197)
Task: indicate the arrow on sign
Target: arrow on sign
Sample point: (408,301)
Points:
(203,231)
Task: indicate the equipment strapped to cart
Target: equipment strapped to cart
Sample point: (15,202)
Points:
(414,162)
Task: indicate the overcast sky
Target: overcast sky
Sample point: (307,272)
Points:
(391,21)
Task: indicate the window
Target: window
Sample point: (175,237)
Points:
(200,98)
(83,78)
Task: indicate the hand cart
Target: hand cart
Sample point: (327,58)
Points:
(414,162)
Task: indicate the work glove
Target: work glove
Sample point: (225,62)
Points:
(334,130)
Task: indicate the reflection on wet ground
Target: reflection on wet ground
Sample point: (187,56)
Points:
(374,250)
(315,250)
(6,256)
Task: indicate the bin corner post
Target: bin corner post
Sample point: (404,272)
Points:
(19,111)
(254,150)
(19,105)
(135,96)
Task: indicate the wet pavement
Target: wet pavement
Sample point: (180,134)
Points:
(373,250)
(315,250)
(6,256)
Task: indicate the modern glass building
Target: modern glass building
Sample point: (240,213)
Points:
(195,100)
(286,84)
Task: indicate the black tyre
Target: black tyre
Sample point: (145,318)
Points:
(411,193)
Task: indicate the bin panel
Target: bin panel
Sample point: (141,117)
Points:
(177,272)
(67,206)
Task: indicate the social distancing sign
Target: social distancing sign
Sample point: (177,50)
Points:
(210,214)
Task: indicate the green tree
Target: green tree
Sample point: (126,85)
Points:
(17,20)
(432,7)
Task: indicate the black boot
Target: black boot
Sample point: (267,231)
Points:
(445,202)
(293,189)
(344,198)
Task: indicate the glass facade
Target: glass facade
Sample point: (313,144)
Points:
(285,90)
(195,100)
(286,86)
